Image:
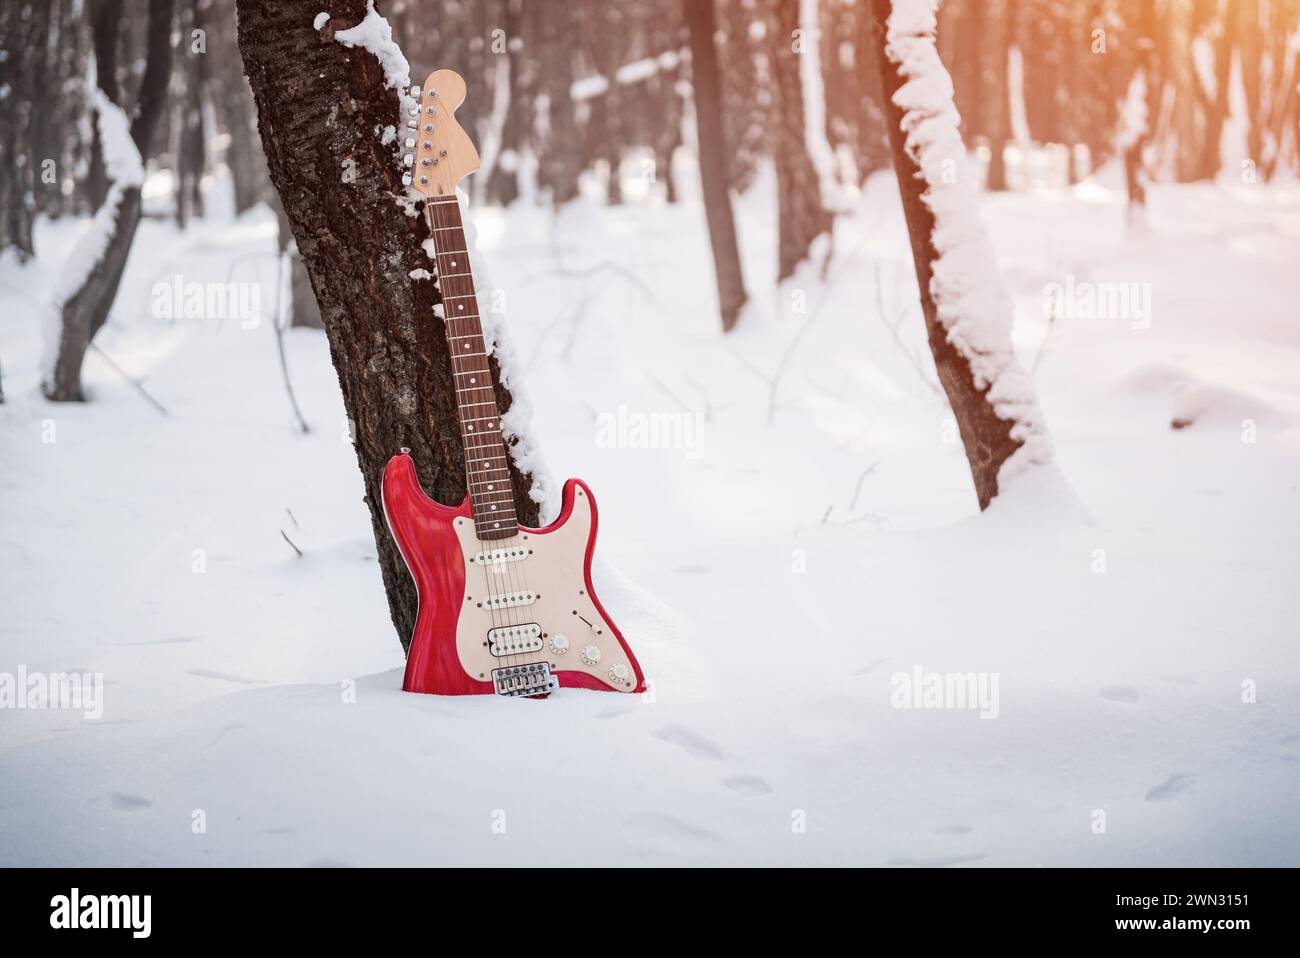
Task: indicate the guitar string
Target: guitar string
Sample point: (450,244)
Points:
(514,573)
(488,595)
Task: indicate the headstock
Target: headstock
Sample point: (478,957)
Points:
(439,154)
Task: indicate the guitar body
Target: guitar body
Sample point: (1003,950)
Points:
(498,605)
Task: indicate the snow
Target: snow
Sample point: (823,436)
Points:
(264,689)
(322,18)
(972,300)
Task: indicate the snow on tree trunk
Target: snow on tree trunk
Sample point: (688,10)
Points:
(967,308)
(706,82)
(1134,132)
(93,271)
(814,103)
(328,112)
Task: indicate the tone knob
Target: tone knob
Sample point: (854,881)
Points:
(590,655)
(559,644)
(618,673)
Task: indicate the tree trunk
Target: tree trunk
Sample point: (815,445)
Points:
(989,439)
(86,310)
(800,213)
(1003,29)
(318,105)
(1217,114)
(1186,158)
(707,86)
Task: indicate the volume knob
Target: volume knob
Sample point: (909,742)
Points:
(618,672)
(559,644)
(590,655)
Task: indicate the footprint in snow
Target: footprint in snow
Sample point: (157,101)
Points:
(748,785)
(936,862)
(224,676)
(1120,693)
(123,802)
(666,826)
(695,745)
(1172,787)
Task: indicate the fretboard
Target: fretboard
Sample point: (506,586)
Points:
(487,471)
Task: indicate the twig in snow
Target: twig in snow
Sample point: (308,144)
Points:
(853,504)
(827,285)
(893,328)
(127,376)
(282,279)
(291,543)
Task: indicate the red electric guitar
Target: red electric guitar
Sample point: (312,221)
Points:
(503,608)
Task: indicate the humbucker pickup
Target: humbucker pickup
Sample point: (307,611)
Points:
(513,639)
(509,600)
(517,680)
(496,557)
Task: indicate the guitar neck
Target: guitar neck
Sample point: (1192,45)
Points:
(487,471)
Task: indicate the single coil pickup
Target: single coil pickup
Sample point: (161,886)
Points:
(496,557)
(508,600)
(517,680)
(513,639)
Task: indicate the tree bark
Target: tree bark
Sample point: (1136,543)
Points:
(707,86)
(85,312)
(986,436)
(319,104)
(800,213)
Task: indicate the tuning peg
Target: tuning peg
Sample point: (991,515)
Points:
(406,179)
(410,142)
(415,91)
(409,160)
(414,111)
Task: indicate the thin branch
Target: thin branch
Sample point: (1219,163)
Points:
(127,376)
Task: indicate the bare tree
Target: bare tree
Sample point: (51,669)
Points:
(319,104)
(85,310)
(707,86)
(966,307)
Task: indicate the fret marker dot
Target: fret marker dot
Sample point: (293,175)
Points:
(496,525)
(489,486)
(461,306)
(471,428)
(471,379)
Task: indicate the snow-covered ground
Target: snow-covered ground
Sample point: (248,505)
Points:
(810,534)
